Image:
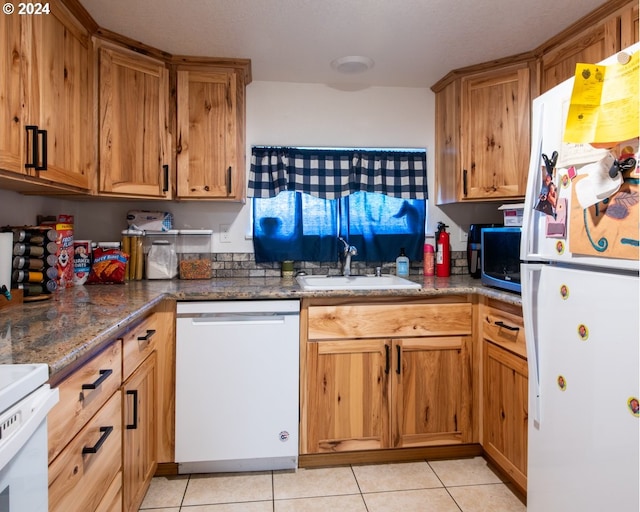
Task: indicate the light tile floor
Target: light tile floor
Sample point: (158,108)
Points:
(462,485)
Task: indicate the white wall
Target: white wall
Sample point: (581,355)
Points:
(281,113)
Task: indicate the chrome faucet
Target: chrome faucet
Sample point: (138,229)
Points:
(345,256)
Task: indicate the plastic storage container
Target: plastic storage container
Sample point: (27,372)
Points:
(194,253)
(161,259)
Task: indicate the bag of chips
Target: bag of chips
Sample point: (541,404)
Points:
(108,266)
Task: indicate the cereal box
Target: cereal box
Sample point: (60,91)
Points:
(64,252)
(81,261)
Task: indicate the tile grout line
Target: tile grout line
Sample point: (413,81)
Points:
(364,502)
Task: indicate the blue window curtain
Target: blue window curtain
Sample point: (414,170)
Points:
(305,198)
(295,226)
(379,226)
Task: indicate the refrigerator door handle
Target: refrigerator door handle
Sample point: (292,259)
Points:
(531,273)
(528,242)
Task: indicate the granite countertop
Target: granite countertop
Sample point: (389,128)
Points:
(76,322)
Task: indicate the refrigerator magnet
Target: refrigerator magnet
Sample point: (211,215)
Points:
(634,406)
(583,332)
(564,292)
(562,383)
(560,247)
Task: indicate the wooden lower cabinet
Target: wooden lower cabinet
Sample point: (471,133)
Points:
(432,391)
(80,475)
(113,418)
(505,390)
(349,395)
(366,393)
(139,433)
(505,411)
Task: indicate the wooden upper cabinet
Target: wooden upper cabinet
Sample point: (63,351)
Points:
(608,30)
(593,45)
(483,134)
(133,126)
(629,25)
(13,67)
(210,134)
(495,118)
(47,101)
(61,97)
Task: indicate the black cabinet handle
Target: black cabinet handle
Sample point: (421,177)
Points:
(134,425)
(464,182)
(165,185)
(103,376)
(106,431)
(500,323)
(32,138)
(399,362)
(387,365)
(148,336)
(33,133)
(45,163)
(229,181)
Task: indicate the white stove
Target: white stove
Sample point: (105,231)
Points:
(25,401)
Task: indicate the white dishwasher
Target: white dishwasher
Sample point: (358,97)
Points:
(237,374)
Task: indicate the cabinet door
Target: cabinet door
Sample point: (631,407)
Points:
(505,411)
(12,84)
(496,133)
(348,397)
(629,25)
(432,391)
(61,100)
(592,45)
(134,99)
(139,437)
(210,122)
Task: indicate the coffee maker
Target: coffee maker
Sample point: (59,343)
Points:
(474,249)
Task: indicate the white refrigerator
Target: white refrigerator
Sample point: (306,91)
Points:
(580,294)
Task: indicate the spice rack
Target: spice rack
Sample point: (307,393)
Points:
(35,261)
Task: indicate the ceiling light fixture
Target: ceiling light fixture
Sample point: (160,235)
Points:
(352,64)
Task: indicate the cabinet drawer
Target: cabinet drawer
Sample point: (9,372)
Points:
(504,328)
(112,500)
(82,394)
(388,320)
(78,478)
(138,343)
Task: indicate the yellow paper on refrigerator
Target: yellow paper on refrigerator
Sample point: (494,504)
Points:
(604,103)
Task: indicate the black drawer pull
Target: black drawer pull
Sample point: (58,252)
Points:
(399,367)
(103,376)
(106,431)
(148,336)
(134,394)
(500,323)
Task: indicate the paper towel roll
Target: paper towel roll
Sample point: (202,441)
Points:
(6,252)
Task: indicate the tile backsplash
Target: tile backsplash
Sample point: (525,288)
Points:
(230,264)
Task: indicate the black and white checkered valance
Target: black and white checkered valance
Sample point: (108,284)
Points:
(334,173)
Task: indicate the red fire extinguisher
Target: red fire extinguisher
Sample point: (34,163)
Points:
(443,251)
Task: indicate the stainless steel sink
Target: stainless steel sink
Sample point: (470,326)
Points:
(384,282)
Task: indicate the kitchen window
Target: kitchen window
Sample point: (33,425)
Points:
(305,198)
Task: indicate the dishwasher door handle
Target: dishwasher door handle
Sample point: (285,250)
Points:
(238,319)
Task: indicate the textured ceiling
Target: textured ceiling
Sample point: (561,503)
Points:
(413,43)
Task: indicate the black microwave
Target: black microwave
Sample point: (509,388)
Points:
(500,258)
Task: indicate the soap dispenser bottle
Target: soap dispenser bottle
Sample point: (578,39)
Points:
(402,264)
